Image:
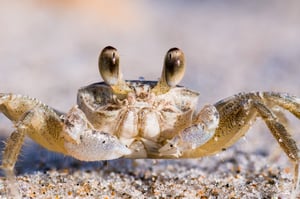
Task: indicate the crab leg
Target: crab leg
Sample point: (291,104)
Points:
(70,134)
(280,133)
(237,114)
(9,158)
(12,150)
(285,100)
(27,114)
(31,118)
(292,104)
(14,107)
(284,139)
(40,122)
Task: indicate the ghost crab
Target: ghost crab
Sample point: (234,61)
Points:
(144,119)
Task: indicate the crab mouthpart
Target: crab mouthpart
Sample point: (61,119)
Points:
(170,149)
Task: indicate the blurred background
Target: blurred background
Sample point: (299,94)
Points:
(48,49)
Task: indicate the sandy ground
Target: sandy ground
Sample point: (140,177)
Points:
(48,49)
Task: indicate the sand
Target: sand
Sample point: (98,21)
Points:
(49,49)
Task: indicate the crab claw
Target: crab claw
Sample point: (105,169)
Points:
(96,145)
(191,138)
(109,68)
(194,136)
(173,71)
(87,144)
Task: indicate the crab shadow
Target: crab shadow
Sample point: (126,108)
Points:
(34,158)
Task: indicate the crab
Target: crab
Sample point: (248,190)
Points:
(144,119)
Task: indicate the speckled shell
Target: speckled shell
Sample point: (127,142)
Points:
(139,116)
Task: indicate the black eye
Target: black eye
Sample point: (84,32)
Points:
(174,66)
(171,145)
(108,64)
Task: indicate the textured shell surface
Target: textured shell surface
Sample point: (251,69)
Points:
(141,119)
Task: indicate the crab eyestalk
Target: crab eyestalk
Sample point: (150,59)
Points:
(109,68)
(173,71)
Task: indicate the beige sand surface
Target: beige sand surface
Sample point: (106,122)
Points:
(48,49)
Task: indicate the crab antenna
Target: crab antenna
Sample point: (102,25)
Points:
(109,69)
(173,71)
